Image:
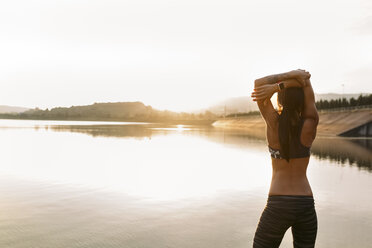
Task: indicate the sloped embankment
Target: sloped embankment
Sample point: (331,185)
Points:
(331,123)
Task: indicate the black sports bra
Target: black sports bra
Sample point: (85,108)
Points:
(300,153)
(296,149)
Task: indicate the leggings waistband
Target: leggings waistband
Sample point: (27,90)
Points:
(290,201)
(291,197)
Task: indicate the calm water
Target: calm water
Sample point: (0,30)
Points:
(138,185)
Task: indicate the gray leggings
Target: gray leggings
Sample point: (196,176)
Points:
(282,212)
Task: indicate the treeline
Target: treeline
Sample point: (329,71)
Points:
(242,114)
(362,100)
(344,103)
(120,111)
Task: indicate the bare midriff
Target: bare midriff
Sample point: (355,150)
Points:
(289,178)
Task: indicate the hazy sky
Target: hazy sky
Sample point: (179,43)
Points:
(176,55)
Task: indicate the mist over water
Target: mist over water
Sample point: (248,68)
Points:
(96,184)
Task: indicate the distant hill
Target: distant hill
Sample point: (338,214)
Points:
(234,105)
(4,109)
(116,111)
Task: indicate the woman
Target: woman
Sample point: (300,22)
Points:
(290,133)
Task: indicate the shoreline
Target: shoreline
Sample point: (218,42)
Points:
(169,122)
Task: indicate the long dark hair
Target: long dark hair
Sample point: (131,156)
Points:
(291,103)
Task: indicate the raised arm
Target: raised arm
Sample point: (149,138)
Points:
(265,87)
(262,95)
(310,115)
(300,75)
(265,91)
(310,111)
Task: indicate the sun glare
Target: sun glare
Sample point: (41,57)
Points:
(167,167)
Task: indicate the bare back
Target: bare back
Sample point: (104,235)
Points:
(289,178)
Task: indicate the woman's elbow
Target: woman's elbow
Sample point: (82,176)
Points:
(257,82)
(314,116)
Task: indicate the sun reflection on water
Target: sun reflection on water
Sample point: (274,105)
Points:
(132,185)
(166,167)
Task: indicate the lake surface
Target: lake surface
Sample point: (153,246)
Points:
(140,185)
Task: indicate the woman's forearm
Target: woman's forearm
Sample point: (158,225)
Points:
(264,92)
(272,79)
(265,87)
(300,75)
